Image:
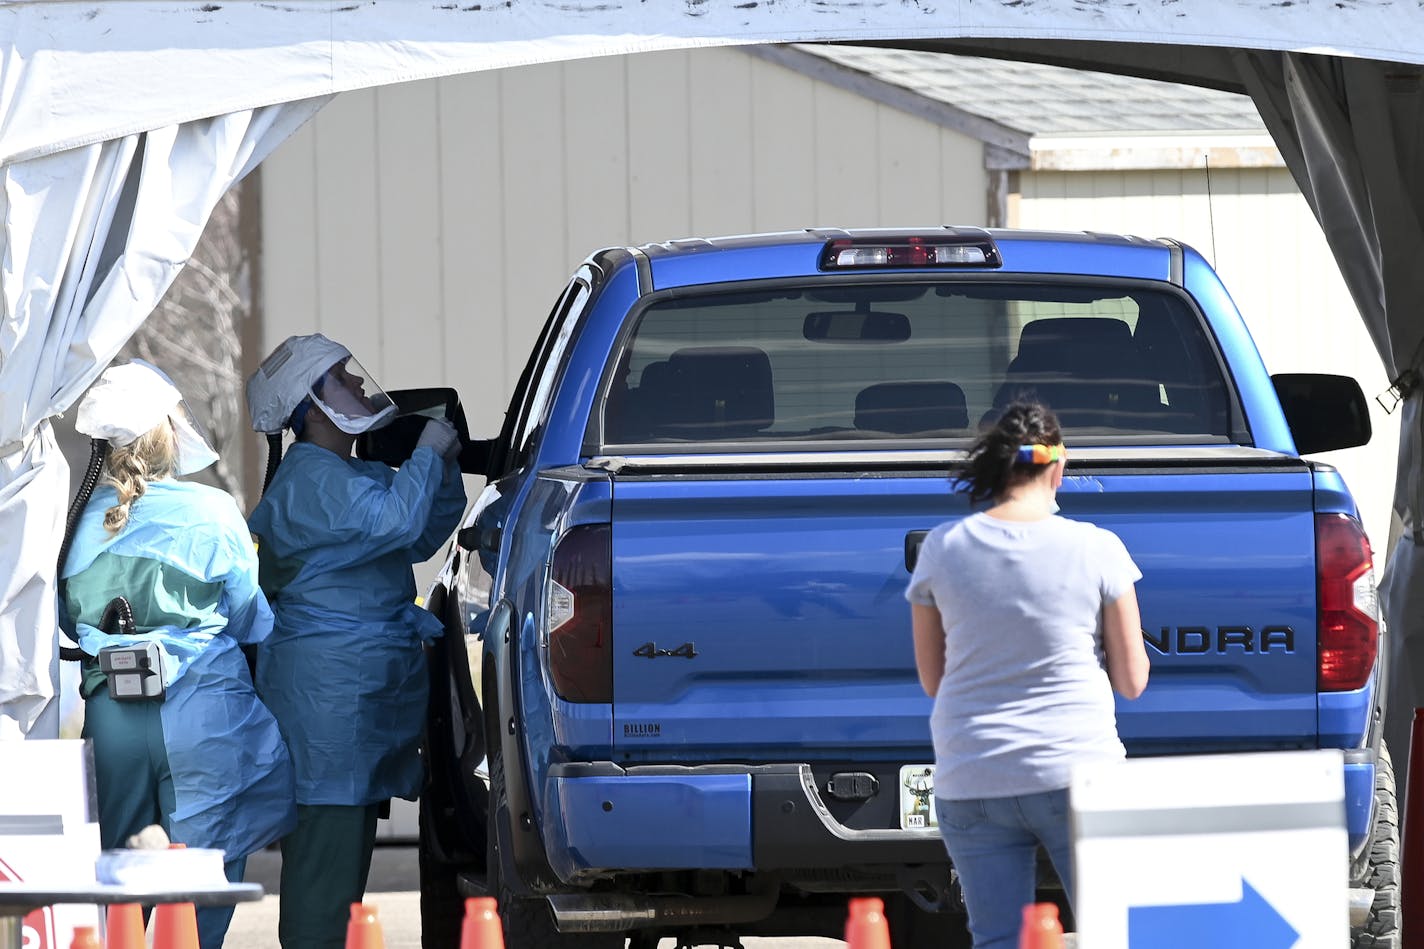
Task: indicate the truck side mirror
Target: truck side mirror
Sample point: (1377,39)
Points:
(394,443)
(1325,412)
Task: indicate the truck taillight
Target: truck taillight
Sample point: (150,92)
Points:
(1348,606)
(578,614)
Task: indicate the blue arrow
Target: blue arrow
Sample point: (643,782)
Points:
(1249,923)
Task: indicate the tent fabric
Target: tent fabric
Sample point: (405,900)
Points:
(92,238)
(73,74)
(34,480)
(1352,144)
(1402,594)
(1350,132)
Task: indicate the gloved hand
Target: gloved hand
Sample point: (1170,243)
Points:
(439,433)
(151,837)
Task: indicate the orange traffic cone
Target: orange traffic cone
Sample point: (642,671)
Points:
(865,926)
(364,929)
(482,928)
(85,938)
(175,926)
(1041,927)
(123,927)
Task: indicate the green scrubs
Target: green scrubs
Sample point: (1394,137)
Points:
(325,862)
(132,778)
(134,784)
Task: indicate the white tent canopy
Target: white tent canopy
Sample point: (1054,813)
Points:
(75,73)
(122,122)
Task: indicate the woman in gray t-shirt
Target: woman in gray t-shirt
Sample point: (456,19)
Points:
(1024,624)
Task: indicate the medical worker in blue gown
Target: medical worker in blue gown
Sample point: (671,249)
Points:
(344,669)
(205,760)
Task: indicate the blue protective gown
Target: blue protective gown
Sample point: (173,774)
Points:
(186,563)
(344,669)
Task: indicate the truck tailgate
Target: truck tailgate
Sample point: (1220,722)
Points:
(763,618)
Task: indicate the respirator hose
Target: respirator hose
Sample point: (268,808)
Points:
(98,451)
(118,618)
(274,457)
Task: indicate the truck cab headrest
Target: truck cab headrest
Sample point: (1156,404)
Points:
(1087,369)
(718,392)
(904,407)
(1087,347)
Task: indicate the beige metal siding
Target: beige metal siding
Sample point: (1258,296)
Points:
(1256,229)
(431,225)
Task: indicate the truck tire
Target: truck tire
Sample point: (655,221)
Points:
(528,923)
(1380,870)
(442,909)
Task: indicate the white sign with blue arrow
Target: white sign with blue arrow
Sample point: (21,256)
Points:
(1224,851)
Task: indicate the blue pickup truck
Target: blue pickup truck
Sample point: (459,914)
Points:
(694,709)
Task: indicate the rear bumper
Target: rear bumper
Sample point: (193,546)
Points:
(604,817)
(1359,797)
(724,817)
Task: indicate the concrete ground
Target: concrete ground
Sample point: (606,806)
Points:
(394,890)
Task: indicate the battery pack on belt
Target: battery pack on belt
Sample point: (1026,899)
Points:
(135,673)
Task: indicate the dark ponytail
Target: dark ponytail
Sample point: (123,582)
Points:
(994,466)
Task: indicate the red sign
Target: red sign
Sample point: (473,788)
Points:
(37,930)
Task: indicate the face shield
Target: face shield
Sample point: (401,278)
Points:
(195,448)
(342,395)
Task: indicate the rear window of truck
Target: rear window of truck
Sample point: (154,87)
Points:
(909,362)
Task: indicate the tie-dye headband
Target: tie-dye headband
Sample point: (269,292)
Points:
(1041,454)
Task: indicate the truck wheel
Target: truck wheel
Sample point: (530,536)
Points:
(442,908)
(528,924)
(1380,870)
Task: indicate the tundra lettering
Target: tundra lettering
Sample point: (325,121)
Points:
(1199,640)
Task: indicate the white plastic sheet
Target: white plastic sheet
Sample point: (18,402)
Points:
(92,238)
(34,480)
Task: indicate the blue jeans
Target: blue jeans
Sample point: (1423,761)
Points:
(993,844)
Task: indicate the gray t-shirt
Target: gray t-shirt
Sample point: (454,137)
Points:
(1025,694)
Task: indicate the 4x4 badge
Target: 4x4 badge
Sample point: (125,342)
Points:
(651,651)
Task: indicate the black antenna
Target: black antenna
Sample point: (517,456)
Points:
(1210,208)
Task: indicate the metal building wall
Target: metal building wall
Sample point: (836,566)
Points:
(431,225)
(1255,228)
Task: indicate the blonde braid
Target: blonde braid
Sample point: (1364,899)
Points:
(151,457)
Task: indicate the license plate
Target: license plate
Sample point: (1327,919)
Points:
(917,804)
